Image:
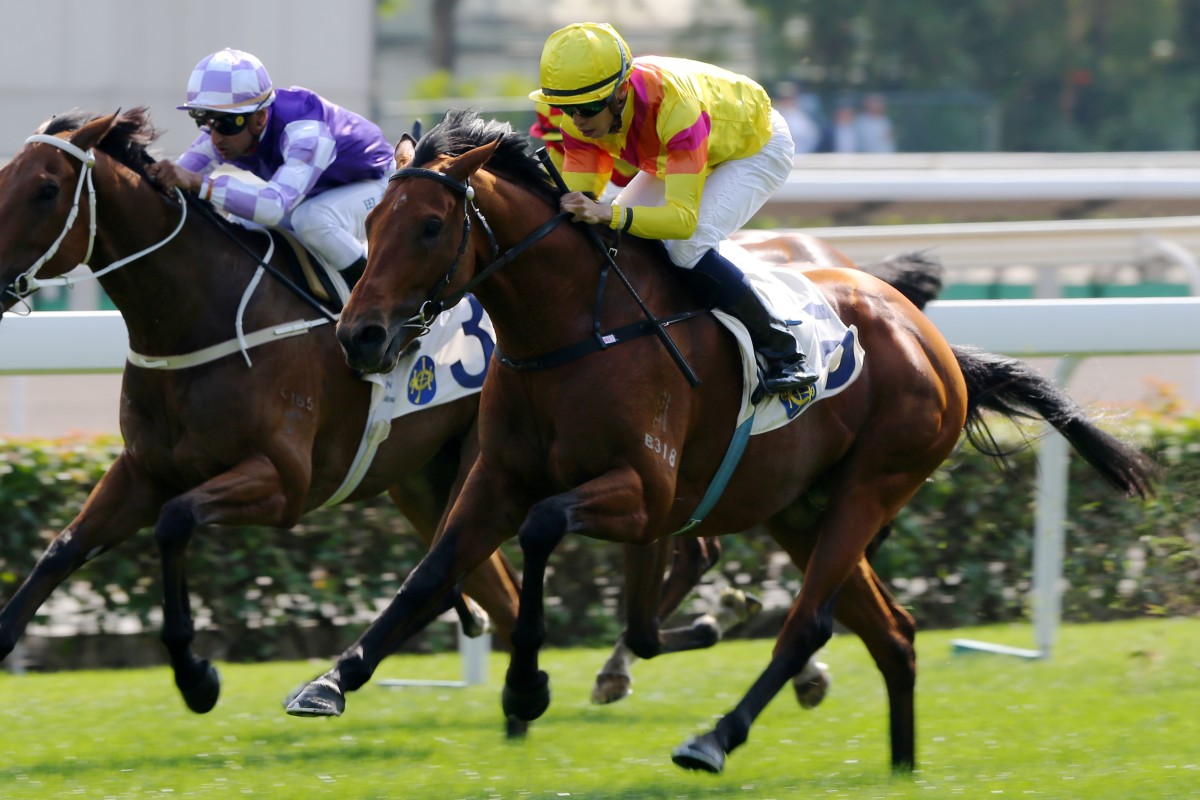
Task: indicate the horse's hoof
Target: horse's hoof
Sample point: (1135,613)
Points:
(515,728)
(527,702)
(320,698)
(743,604)
(611,687)
(475,622)
(812,685)
(701,753)
(201,688)
(753,605)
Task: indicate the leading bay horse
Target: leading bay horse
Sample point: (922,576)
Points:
(612,442)
(220,442)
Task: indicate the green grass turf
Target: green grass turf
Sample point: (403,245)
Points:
(1114,714)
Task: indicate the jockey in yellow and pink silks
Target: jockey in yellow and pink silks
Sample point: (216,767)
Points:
(708,151)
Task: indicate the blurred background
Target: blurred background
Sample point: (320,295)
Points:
(998,136)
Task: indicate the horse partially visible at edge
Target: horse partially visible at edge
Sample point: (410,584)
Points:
(220,442)
(613,442)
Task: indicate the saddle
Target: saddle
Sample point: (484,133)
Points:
(307,273)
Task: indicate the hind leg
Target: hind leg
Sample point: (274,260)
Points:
(846,527)
(251,492)
(122,503)
(888,631)
(812,684)
(691,559)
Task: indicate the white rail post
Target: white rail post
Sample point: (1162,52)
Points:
(474,653)
(1049,535)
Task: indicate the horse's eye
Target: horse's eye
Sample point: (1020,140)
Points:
(46,192)
(431,229)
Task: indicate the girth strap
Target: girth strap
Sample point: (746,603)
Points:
(600,341)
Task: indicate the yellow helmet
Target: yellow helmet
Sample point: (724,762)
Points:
(582,63)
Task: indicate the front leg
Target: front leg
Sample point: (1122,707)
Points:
(482,518)
(611,506)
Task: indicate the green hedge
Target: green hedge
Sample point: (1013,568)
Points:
(961,554)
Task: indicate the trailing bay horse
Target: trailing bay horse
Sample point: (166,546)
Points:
(219,442)
(585,436)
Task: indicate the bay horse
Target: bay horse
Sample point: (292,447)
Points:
(612,442)
(221,442)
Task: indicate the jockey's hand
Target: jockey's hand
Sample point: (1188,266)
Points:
(585,209)
(167,174)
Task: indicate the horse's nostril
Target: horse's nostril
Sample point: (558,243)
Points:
(372,336)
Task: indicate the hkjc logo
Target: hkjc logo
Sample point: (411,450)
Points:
(796,400)
(422,383)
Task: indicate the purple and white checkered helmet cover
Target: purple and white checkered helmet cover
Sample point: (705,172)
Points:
(229,81)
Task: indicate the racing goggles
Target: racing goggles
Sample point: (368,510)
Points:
(585,110)
(224,124)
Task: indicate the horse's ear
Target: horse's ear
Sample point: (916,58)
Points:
(94,132)
(469,162)
(405,148)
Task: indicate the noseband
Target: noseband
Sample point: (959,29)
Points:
(27,283)
(433,305)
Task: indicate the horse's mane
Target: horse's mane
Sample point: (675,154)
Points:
(462,129)
(126,142)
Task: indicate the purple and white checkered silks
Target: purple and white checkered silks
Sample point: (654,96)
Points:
(229,81)
(310,149)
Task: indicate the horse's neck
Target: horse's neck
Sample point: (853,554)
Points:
(546,298)
(179,296)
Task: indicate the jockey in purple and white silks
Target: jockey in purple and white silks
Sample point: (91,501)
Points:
(322,167)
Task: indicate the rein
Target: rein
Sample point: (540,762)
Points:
(262,261)
(27,282)
(433,306)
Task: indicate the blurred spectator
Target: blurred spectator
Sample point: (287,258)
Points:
(845,129)
(806,134)
(873,128)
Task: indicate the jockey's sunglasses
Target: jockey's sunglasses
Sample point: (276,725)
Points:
(224,124)
(584,110)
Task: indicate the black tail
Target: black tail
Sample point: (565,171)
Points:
(1017,391)
(916,275)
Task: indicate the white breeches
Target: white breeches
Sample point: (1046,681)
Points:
(333,225)
(733,193)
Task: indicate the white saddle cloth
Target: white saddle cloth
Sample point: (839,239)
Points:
(449,363)
(832,348)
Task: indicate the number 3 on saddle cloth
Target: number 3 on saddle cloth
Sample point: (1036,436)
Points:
(445,364)
(832,349)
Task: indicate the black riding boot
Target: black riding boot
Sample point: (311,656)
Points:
(353,273)
(784,366)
